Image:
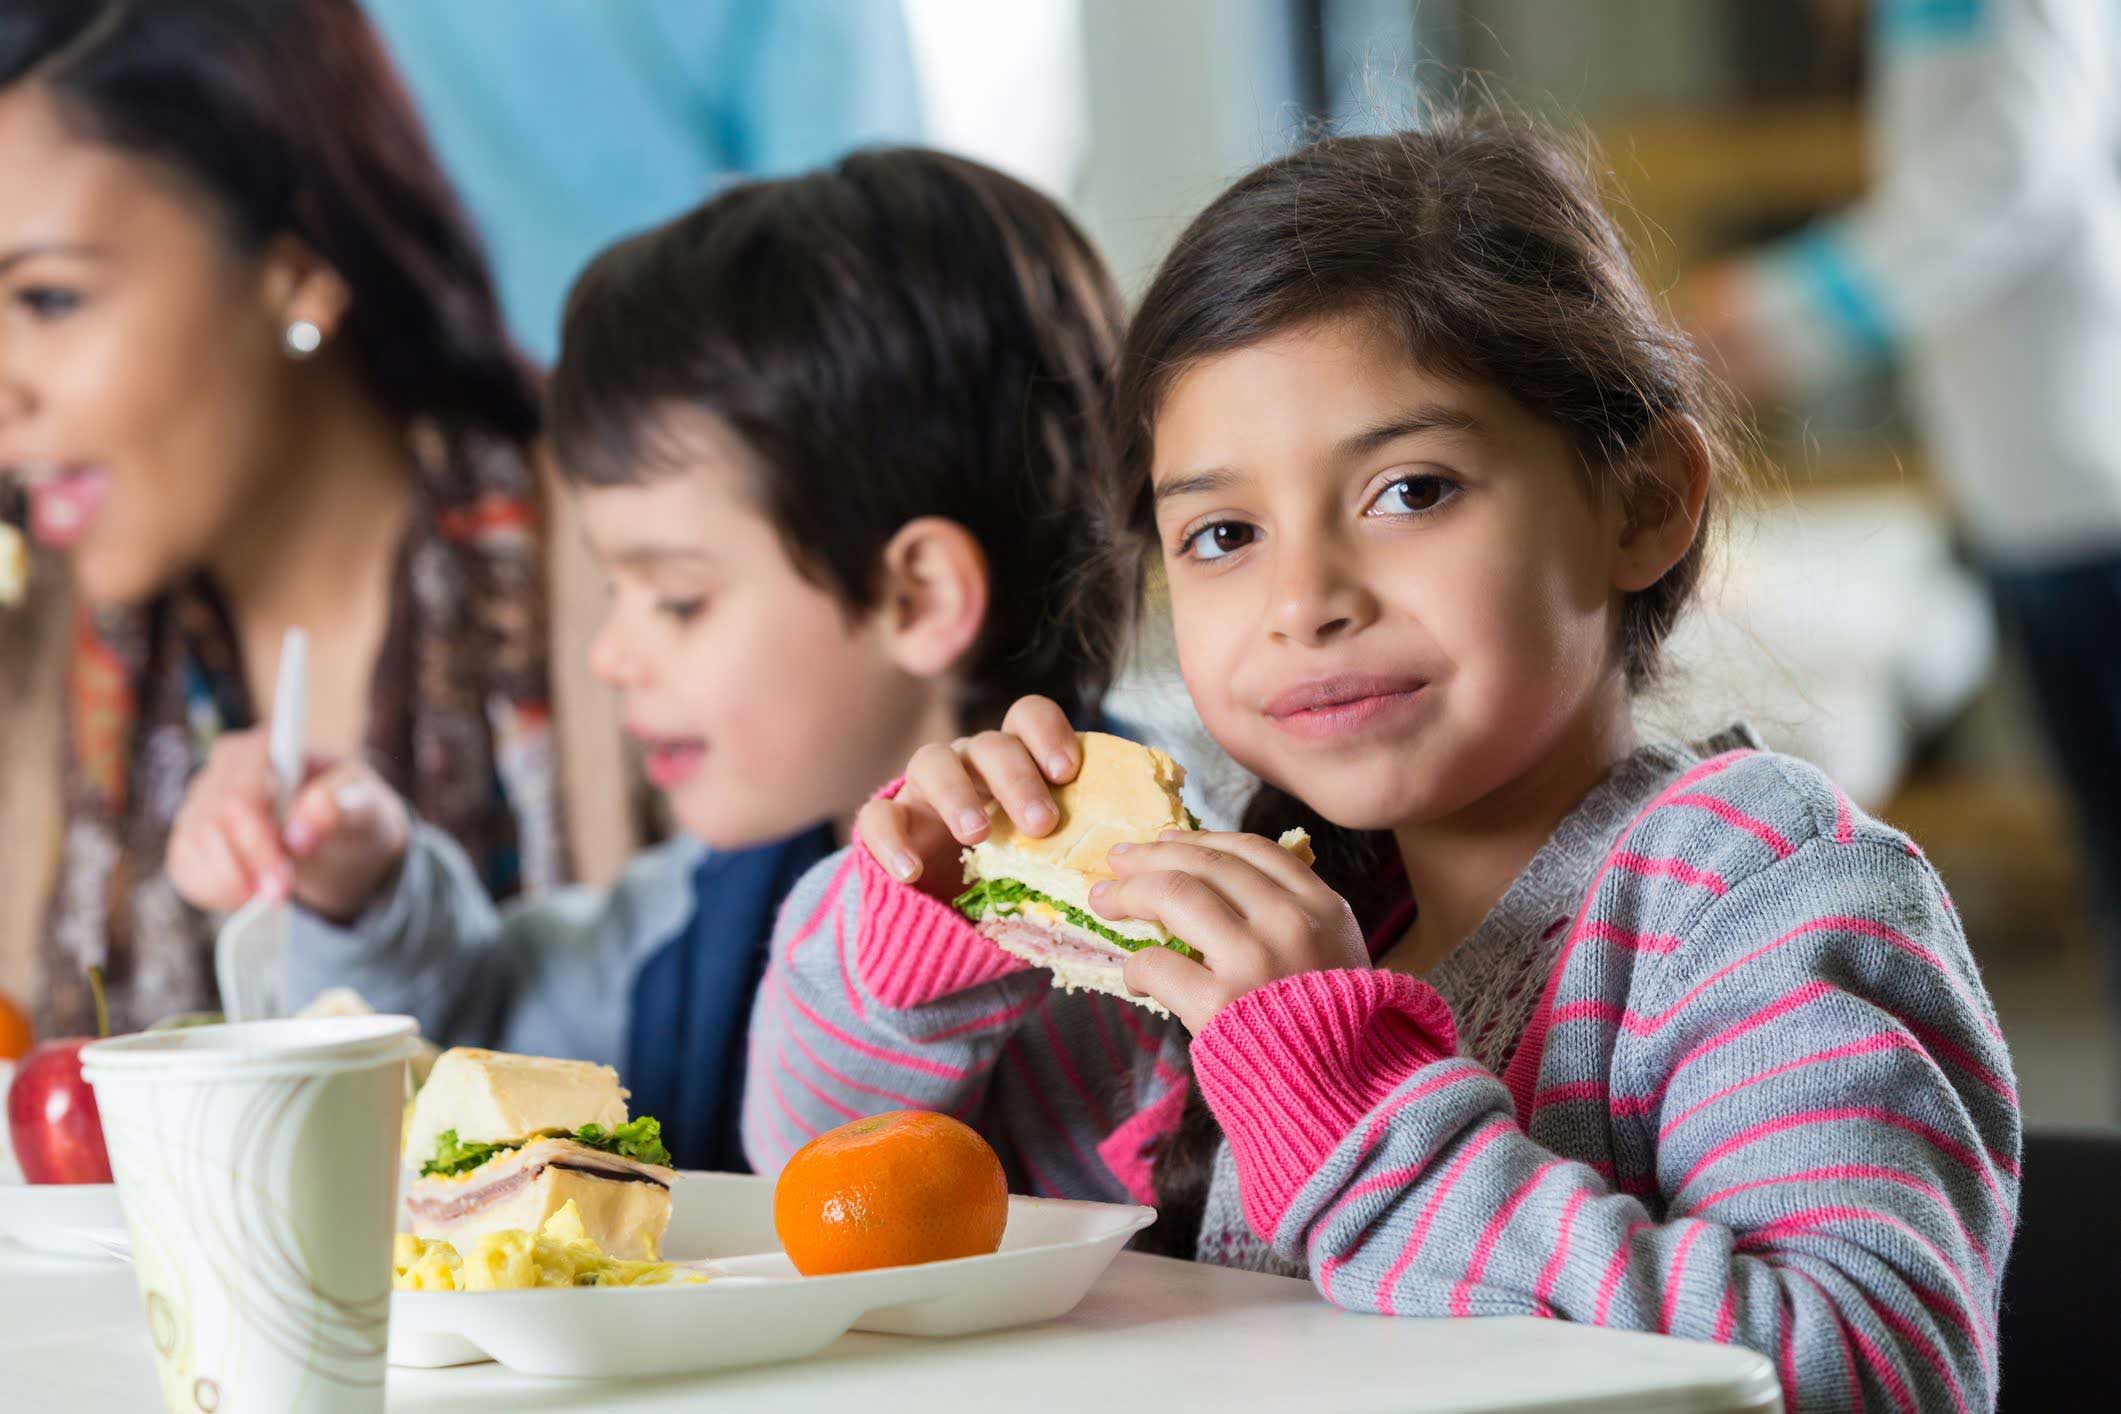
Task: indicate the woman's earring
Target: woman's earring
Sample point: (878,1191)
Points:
(301,339)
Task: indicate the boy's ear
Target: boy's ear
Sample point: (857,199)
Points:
(1663,509)
(933,595)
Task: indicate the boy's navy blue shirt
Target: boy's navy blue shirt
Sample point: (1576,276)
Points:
(691,1006)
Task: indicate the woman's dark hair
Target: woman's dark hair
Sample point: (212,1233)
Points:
(1480,247)
(902,334)
(287,116)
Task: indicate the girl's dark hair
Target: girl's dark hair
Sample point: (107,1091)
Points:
(1481,248)
(287,116)
(902,334)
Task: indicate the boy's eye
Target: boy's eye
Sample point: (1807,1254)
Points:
(1218,540)
(48,302)
(682,611)
(1413,495)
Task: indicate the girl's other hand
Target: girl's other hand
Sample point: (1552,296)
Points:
(344,837)
(942,807)
(1252,910)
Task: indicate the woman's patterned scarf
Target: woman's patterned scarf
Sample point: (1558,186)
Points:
(459,722)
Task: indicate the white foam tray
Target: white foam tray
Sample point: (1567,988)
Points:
(65,1219)
(759,1309)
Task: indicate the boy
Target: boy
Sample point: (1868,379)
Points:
(836,438)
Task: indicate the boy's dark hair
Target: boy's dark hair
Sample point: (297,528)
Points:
(902,334)
(1480,246)
(288,117)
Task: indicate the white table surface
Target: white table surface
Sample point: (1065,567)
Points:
(1153,1334)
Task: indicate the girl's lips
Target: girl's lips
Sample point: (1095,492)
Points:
(1344,705)
(671,763)
(62,507)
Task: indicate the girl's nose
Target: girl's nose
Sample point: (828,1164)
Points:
(1318,596)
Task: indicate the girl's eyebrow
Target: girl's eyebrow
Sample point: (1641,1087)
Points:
(1429,417)
(1194,483)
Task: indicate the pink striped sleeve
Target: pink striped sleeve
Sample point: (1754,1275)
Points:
(1291,1069)
(872,1001)
(911,949)
(1773,1113)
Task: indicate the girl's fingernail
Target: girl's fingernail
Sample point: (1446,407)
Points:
(1172,835)
(1119,849)
(969,821)
(352,796)
(1059,764)
(1100,892)
(1039,816)
(904,865)
(300,836)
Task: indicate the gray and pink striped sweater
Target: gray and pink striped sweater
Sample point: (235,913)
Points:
(1718,1065)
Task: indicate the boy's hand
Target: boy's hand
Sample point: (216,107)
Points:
(1254,911)
(344,837)
(942,807)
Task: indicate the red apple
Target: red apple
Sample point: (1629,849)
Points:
(52,1118)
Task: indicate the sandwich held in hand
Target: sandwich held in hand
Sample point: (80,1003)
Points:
(1031,895)
(504,1142)
(890,1191)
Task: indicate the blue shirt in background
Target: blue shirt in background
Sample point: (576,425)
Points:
(567,124)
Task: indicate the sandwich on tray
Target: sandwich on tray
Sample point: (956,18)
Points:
(504,1142)
(1031,896)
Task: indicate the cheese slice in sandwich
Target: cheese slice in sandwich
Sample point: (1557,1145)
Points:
(505,1141)
(1031,896)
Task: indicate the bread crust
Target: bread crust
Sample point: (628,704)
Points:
(1125,793)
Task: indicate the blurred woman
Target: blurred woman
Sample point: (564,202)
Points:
(253,376)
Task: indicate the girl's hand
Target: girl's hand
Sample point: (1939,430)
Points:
(344,838)
(942,807)
(1255,912)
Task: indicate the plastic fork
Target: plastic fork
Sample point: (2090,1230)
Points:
(250,953)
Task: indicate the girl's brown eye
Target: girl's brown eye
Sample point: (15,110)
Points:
(1412,495)
(1221,538)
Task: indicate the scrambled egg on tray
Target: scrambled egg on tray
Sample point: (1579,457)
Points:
(559,1254)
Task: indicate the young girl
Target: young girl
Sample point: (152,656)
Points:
(1565,1024)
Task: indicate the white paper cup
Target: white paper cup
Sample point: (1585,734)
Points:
(257,1167)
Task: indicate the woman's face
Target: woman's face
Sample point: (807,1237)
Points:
(142,386)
